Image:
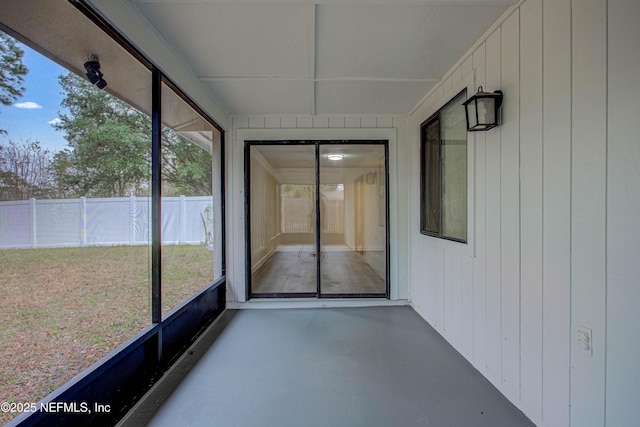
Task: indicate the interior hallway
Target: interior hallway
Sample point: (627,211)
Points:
(293,270)
(374,366)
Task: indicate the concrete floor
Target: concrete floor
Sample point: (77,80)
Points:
(373,366)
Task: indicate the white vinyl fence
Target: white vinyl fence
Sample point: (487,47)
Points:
(96,222)
(298,216)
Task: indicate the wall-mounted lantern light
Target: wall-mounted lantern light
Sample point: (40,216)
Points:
(482,110)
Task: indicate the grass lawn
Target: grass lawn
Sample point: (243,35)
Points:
(63,309)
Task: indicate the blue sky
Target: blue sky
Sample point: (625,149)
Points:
(30,117)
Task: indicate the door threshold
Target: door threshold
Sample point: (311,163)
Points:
(278,303)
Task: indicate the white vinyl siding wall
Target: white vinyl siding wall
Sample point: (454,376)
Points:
(557,215)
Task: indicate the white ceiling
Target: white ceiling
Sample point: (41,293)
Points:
(327,57)
(303,156)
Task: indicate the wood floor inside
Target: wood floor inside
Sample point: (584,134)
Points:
(292,270)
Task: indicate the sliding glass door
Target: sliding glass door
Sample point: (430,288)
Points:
(353,219)
(282,195)
(317,219)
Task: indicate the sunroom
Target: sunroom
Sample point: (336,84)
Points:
(312,234)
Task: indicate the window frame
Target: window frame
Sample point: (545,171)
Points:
(444,98)
(424,141)
(425,148)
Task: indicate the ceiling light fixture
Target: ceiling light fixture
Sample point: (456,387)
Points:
(335,157)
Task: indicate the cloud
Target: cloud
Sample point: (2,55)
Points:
(55,121)
(27,105)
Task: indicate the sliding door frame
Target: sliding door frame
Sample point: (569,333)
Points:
(318,229)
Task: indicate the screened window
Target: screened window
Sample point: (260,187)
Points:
(191,237)
(75,243)
(443,172)
(80,260)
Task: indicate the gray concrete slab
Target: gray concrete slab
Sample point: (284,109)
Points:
(373,366)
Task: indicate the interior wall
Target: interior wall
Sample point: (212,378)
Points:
(392,128)
(264,213)
(556,215)
(349,214)
(374,234)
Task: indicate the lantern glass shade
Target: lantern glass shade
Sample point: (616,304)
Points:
(482,110)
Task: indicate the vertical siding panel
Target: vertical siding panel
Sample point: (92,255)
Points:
(510,205)
(556,239)
(493,238)
(399,165)
(531,206)
(623,215)
(256,122)
(304,122)
(419,297)
(427,106)
(416,246)
(368,122)
(446,85)
(447,291)
(588,211)
(456,300)
(384,122)
(352,122)
(426,263)
(336,122)
(398,122)
(288,122)
(320,122)
(417,253)
(479,262)
(456,76)
(272,122)
(437,276)
(438,94)
(467,305)
(466,66)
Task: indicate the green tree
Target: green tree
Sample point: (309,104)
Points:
(110,148)
(185,166)
(12,71)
